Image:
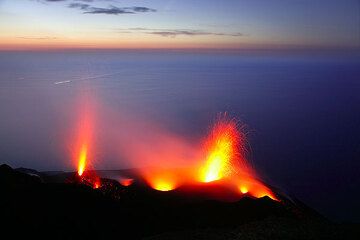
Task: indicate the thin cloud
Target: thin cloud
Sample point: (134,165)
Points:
(38,38)
(179,32)
(73,0)
(81,6)
(87,7)
(111,10)
(142,9)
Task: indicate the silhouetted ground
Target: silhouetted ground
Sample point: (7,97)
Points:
(268,228)
(36,206)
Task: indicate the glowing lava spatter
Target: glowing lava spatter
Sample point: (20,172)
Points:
(222,151)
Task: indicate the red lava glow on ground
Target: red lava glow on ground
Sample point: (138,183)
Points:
(126,181)
(97,184)
(90,178)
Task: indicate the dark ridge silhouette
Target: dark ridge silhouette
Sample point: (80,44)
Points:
(61,206)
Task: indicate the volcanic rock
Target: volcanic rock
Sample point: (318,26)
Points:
(69,210)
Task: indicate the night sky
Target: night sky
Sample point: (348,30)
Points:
(179,24)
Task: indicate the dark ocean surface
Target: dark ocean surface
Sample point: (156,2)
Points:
(302,110)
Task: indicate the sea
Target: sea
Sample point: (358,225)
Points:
(300,110)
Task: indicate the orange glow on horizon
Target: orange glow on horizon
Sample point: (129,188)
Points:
(134,41)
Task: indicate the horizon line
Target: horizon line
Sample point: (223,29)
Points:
(183,49)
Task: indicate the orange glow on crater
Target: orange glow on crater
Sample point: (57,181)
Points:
(243,189)
(255,188)
(163,185)
(163,179)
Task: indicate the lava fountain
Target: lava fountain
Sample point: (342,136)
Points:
(222,151)
(225,159)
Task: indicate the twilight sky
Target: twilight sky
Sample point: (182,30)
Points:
(32,24)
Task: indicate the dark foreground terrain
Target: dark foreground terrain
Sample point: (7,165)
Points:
(36,205)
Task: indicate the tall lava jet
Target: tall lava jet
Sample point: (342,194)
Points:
(84,145)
